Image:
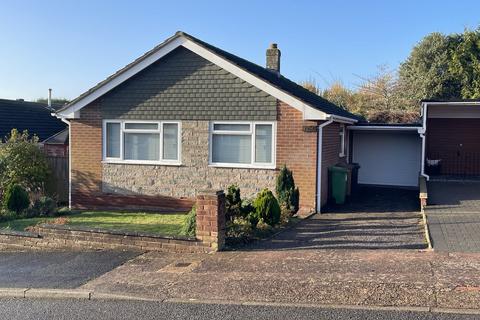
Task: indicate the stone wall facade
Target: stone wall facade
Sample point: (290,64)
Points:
(185,180)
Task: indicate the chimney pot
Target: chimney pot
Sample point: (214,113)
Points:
(273,58)
(49,100)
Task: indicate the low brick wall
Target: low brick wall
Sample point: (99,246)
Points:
(62,237)
(210,234)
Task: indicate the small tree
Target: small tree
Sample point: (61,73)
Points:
(267,208)
(22,162)
(16,198)
(233,202)
(288,195)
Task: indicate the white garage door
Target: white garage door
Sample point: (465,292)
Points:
(387,158)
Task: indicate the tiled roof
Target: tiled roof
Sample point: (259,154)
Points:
(271,77)
(31,116)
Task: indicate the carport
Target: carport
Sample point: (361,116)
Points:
(451,163)
(452,131)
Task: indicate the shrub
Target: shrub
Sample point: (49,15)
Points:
(267,207)
(45,206)
(247,208)
(233,205)
(64,211)
(16,198)
(22,162)
(288,195)
(189,226)
(254,218)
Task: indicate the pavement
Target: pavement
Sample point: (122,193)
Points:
(47,309)
(57,269)
(399,278)
(453,215)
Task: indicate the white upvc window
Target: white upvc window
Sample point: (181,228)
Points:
(342,137)
(242,144)
(142,142)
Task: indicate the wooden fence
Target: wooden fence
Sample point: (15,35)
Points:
(57,184)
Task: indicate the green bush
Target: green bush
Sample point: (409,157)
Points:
(22,162)
(254,218)
(233,203)
(45,206)
(267,207)
(16,198)
(288,195)
(189,226)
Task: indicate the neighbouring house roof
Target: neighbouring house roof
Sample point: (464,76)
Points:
(58,138)
(313,106)
(32,116)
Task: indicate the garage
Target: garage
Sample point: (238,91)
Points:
(388,155)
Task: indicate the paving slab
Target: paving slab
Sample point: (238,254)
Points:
(453,215)
(397,278)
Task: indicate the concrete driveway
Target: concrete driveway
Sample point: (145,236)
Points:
(64,270)
(376,218)
(453,215)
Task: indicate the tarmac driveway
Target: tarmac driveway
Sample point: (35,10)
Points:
(453,215)
(375,218)
(64,270)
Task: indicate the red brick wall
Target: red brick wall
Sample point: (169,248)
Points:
(86,152)
(330,154)
(456,142)
(298,150)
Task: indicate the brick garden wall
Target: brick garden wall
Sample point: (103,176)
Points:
(210,235)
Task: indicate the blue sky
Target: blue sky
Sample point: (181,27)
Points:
(71,45)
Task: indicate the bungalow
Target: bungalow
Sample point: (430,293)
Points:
(188,116)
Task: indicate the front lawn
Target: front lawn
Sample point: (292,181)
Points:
(164,224)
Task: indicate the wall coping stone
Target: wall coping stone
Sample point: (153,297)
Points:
(115,232)
(209,192)
(26,234)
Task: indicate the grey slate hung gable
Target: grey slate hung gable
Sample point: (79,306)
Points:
(185,86)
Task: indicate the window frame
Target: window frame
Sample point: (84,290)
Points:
(159,130)
(251,133)
(343,144)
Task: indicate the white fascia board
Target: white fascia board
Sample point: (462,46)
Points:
(384,128)
(343,119)
(72,111)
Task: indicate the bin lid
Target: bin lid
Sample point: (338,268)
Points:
(338,169)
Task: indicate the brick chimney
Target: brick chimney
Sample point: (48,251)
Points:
(273,58)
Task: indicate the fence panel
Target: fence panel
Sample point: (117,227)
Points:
(57,185)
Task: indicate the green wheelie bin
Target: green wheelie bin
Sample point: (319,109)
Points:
(338,183)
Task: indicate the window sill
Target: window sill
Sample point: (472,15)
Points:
(145,163)
(240,166)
